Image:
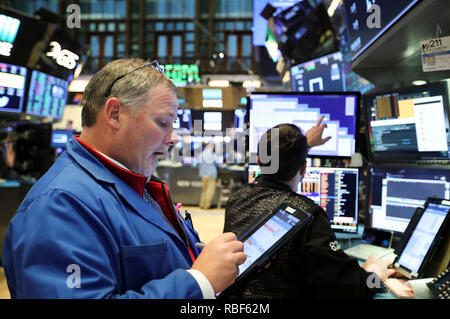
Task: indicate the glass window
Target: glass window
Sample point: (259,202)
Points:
(190,26)
(111,27)
(179,26)
(135,8)
(162,8)
(92,26)
(232,45)
(149,36)
(189,47)
(95,46)
(239,25)
(108,9)
(135,49)
(122,27)
(109,46)
(247,45)
(169,26)
(120,48)
(177,46)
(159,26)
(189,36)
(121,37)
(162,46)
(101,27)
(121,9)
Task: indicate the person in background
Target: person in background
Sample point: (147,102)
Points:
(98,224)
(311,265)
(207,170)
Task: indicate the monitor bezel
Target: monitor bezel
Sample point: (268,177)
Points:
(25,91)
(357,117)
(402,157)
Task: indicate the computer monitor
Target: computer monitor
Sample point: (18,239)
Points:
(422,239)
(60,138)
(268,109)
(12,87)
(321,74)
(409,124)
(395,193)
(362,29)
(334,189)
(47,95)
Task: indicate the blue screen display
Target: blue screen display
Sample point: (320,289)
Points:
(304,110)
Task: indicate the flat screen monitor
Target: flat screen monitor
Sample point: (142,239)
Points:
(340,110)
(60,138)
(184,120)
(362,15)
(409,124)
(321,74)
(12,87)
(47,95)
(395,193)
(333,189)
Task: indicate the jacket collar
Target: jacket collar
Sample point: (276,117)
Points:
(271,183)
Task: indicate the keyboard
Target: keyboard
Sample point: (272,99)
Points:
(363,251)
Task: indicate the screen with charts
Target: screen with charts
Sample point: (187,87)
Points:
(409,124)
(304,110)
(184,120)
(322,74)
(12,87)
(333,189)
(395,193)
(360,31)
(47,95)
(419,244)
(266,236)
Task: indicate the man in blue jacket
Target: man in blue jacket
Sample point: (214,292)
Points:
(97,224)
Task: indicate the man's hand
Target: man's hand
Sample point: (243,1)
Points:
(314,135)
(378,266)
(219,261)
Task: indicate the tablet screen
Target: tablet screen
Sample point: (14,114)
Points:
(266,236)
(423,236)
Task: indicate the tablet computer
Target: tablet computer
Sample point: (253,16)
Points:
(263,238)
(422,238)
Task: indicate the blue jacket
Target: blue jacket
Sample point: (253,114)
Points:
(82,232)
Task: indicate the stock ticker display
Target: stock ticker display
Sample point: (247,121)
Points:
(47,95)
(336,191)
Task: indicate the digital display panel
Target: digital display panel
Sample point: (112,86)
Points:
(47,95)
(304,110)
(12,87)
(362,15)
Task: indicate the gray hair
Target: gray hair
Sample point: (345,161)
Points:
(131,90)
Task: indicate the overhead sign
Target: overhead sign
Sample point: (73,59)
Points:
(435,54)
